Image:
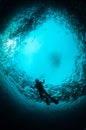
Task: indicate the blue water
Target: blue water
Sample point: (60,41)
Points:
(47,49)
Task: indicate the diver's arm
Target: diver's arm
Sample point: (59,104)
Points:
(43,81)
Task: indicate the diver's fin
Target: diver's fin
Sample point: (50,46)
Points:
(55,101)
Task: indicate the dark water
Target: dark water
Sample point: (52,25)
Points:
(63,67)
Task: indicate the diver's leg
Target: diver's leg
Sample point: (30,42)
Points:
(54,100)
(43,95)
(47,101)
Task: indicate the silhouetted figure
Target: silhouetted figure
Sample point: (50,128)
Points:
(42,92)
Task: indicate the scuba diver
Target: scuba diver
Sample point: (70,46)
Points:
(42,92)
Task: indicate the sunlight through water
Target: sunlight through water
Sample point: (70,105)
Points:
(44,46)
(50,53)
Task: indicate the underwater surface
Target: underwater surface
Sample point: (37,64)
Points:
(40,42)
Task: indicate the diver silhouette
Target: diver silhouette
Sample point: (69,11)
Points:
(42,92)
